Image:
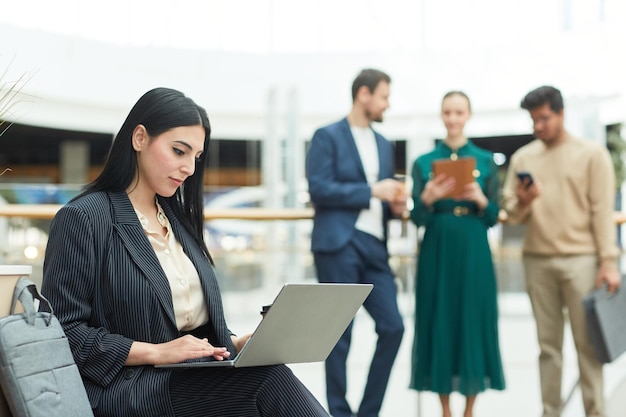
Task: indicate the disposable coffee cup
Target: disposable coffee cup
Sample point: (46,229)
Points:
(265,309)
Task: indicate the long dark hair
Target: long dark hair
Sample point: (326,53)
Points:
(160,110)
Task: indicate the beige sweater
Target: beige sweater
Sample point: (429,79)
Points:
(574,213)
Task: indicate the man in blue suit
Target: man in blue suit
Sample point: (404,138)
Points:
(350,170)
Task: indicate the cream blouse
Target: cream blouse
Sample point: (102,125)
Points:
(188,298)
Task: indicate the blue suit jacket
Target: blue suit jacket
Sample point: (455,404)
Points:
(338,186)
(108,289)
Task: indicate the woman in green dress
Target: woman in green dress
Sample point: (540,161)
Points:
(456,346)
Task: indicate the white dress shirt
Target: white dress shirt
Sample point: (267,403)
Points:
(369,220)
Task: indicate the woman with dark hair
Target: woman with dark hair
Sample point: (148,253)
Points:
(132,281)
(456,344)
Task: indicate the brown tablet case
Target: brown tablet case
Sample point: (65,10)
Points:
(462,169)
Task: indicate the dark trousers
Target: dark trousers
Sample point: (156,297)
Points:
(364,260)
(264,391)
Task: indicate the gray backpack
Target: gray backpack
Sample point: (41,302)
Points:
(37,371)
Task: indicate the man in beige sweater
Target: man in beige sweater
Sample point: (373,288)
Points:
(570,241)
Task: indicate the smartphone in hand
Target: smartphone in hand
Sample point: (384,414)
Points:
(525,178)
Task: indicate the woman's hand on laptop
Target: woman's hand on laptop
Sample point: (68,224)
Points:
(240,341)
(175,351)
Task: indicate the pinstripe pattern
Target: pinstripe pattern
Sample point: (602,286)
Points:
(269,391)
(108,289)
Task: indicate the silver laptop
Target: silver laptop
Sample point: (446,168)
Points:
(304,323)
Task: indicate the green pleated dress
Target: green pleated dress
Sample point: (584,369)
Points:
(456,345)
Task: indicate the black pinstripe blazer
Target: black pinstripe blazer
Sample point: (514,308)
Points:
(108,289)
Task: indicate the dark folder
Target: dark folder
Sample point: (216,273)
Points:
(606,321)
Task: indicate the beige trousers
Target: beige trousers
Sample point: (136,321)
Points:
(555,283)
